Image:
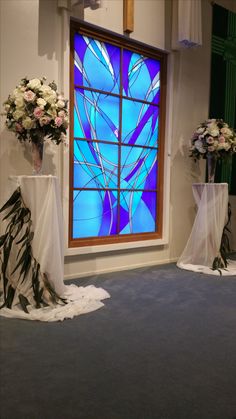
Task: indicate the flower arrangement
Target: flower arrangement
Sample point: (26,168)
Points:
(213,137)
(34,110)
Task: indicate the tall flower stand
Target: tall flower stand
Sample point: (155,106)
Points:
(203,246)
(33,283)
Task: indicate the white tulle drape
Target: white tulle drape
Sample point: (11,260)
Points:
(204,242)
(42,196)
(186,24)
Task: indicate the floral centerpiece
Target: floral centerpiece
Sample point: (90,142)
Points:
(212,140)
(35,111)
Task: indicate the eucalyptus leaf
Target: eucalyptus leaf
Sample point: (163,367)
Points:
(24,236)
(19,228)
(26,266)
(2,239)
(10,296)
(14,208)
(6,253)
(13,198)
(24,303)
(21,261)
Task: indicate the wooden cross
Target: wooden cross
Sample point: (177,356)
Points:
(128,16)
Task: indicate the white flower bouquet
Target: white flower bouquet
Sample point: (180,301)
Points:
(34,111)
(213,137)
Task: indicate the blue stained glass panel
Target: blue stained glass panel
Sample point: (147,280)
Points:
(94,213)
(95,165)
(137,212)
(96,116)
(138,168)
(97,64)
(141,127)
(141,77)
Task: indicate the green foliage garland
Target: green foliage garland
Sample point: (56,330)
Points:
(18,233)
(220,262)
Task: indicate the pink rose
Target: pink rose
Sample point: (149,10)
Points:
(38,112)
(29,96)
(211,148)
(58,121)
(44,120)
(18,127)
(221,139)
(61,114)
(210,140)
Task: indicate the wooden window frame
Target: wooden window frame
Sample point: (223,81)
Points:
(77,26)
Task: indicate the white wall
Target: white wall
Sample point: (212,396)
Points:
(30,36)
(33,44)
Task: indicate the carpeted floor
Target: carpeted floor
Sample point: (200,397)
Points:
(163,347)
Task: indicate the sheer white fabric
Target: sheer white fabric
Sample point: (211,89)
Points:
(42,196)
(204,242)
(186,24)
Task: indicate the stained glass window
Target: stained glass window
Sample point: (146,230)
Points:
(115,172)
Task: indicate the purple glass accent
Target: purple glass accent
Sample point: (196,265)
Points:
(124,216)
(80,47)
(147,197)
(126,60)
(149,112)
(151,180)
(109,226)
(130,175)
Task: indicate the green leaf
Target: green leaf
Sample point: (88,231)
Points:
(26,266)
(23,302)
(19,228)
(23,213)
(13,198)
(20,262)
(5,282)
(2,239)
(6,253)
(24,236)
(10,296)
(15,207)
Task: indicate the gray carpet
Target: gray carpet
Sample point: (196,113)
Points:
(163,347)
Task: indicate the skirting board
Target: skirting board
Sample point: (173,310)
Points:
(118,268)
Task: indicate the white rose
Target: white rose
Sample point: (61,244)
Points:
(61,114)
(213,131)
(60,104)
(226,132)
(41,102)
(7,107)
(50,99)
(227,146)
(34,84)
(28,123)
(16,92)
(19,102)
(198,144)
(45,89)
(211,121)
(200,130)
(52,112)
(18,114)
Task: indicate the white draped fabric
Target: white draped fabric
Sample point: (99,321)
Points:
(204,242)
(70,4)
(186,24)
(42,196)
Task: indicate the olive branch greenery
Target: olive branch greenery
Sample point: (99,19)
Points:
(18,232)
(220,261)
